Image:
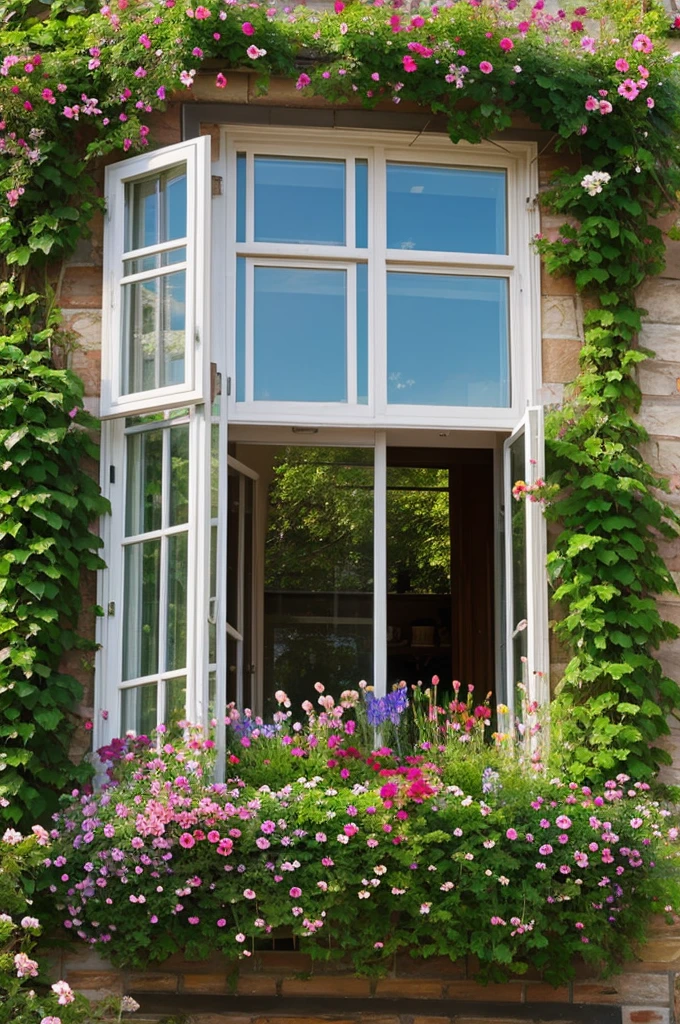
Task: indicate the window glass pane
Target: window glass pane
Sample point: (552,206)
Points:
(175,705)
(138,710)
(240,197)
(156,208)
(362,333)
(176,644)
(155,262)
(214,469)
(517,512)
(361,200)
(298,200)
(179,475)
(445,208)
(447,340)
(143,492)
(300,322)
(141,606)
(212,625)
(240,329)
(153,333)
(318,619)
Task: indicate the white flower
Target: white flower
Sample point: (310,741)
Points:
(364,894)
(30,922)
(594,181)
(128,1004)
(425,908)
(12,837)
(380,869)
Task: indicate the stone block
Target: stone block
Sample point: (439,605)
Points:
(552,285)
(642,1015)
(629,988)
(152,981)
(96,984)
(82,288)
(540,992)
(551,394)
(430,1020)
(560,359)
(507,992)
(408,988)
(657,377)
(558,317)
(235,91)
(166,125)
(661,416)
(205,984)
(213,130)
(87,325)
(256,985)
(662,339)
(432,967)
(660,297)
(328,986)
(88,367)
(672,268)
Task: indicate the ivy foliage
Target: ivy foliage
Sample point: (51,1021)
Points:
(77,83)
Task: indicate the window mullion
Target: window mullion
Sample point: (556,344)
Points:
(377,282)
(380,564)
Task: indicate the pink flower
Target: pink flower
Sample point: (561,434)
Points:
(247,28)
(628,89)
(344,28)
(643,43)
(145,41)
(62,991)
(254,52)
(621,65)
(160,92)
(511,834)
(563,821)
(605,107)
(201,13)
(338,6)
(506,44)
(302,81)
(220,81)
(591,103)
(409,63)
(221,923)
(644,73)
(295,892)
(485,67)
(187,840)
(588,44)
(650,102)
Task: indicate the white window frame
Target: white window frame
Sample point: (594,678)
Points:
(196,155)
(520,266)
(537,679)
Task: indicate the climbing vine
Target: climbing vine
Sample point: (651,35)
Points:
(77,83)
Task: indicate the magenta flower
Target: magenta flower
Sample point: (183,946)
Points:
(409,63)
(506,44)
(650,102)
(295,892)
(485,67)
(303,81)
(201,13)
(247,28)
(187,840)
(511,834)
(220,81)
(643,43)
(628,89)
(591,103)
(254,52)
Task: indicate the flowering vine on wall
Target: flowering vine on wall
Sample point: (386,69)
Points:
(77,83)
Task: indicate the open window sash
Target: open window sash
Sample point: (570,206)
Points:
(152,663)
(156,272)
(526,582)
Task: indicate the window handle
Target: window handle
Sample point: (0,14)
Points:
(212,611)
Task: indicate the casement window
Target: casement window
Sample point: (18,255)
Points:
(333,501)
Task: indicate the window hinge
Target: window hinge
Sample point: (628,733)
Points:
(215,382)
(112,474)
(216,185)
(112,608)
(228,385)
(197,336)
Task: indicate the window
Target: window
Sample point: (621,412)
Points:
(157,239)
(377,283)
(334,512)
